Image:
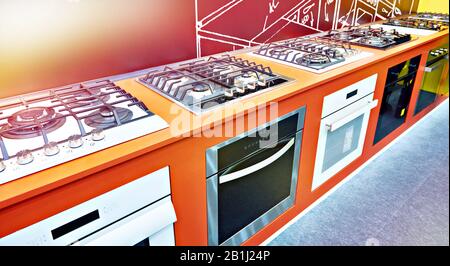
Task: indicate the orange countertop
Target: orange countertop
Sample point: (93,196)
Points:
(46,180)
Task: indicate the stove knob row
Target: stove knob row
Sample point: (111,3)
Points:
(24,157)
(75,141)
(2,166)
(51,149)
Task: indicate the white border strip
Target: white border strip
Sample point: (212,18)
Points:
(350,176)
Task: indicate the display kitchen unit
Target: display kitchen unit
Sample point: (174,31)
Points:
(222,149)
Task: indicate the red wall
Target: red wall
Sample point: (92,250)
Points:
(49,43)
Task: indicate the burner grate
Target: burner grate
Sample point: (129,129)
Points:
(178,82)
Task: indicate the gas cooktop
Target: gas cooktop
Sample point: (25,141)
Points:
(432,16)
(46,128)
(314,54)
(378,38)
(419,23)
(209,83)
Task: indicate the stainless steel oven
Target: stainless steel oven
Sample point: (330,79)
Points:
(345,117)
(436,61)
(252,179)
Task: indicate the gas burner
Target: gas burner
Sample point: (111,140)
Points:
(314,59)
(246,80)
(31,122)
(107,117)
(333,52)
(198,90)
(375,41)
(200,87)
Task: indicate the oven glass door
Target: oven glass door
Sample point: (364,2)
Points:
(394,107)
(396,98)
(252,179)
(254,186)
(341,139)
(429,90)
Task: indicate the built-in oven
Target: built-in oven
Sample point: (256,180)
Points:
(396,97)
(343,127)
(139,213)
(252,179)
(436,62)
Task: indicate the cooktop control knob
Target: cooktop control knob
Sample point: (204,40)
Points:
(24,157)
(251,86)
(51,149)
(97,134)
(240,89)
(261,82)
(229,93)
(75,141)
(2,166)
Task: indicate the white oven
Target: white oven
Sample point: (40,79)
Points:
(138,213)
(345,116)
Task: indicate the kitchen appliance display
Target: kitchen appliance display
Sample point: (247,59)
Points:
(209,83)
(378,38)
(138,213)
(345,117)
(396,97)
(252,179)
(436,61)
(46,128)
(313,54)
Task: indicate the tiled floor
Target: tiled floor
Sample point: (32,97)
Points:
(400,198)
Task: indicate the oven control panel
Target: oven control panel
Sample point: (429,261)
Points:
(438,52)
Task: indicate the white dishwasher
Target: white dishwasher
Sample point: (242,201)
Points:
(138,213)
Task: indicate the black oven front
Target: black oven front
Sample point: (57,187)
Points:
(252,179)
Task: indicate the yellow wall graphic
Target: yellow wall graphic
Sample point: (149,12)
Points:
(440,6)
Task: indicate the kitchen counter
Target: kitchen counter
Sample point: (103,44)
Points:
(39,183)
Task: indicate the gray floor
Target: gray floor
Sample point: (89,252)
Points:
(401,198)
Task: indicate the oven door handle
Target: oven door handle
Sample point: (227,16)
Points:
(257,166)
(333,126)
(436,65)
(144,226)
